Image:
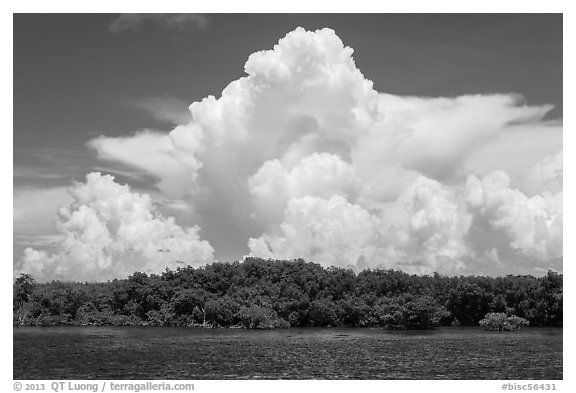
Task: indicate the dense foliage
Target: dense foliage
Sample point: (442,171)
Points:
(499,321)
(261,293)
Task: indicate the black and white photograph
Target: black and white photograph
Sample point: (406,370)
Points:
(287,196)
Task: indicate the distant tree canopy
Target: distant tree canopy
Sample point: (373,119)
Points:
(260,293)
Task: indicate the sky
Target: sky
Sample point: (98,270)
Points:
(425,143)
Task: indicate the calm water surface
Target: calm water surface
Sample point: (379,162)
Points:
(191,353)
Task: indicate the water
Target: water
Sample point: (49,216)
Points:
(331,353)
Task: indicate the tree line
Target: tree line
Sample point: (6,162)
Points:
(259,293)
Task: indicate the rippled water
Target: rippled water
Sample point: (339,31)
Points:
(191,353)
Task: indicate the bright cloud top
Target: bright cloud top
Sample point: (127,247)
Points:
(305,155)
(109,231)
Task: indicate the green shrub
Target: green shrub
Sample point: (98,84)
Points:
(502,322)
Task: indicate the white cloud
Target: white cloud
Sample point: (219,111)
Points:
(420,232)
(330,231)
(165,108)
(436,136)
(109,231)
(168,157)
(429,227)
(303,142)
(533,225)
(546,175)
(514,150)
(425,228)
(319,175)
(176,22)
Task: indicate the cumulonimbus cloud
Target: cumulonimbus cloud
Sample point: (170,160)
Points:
(315,163)
(109,231)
